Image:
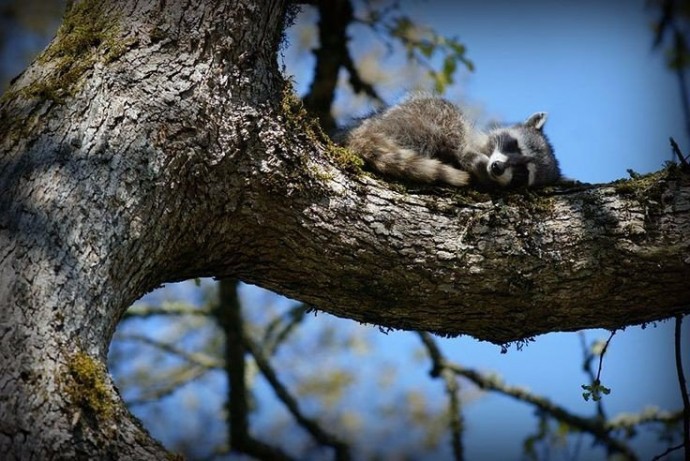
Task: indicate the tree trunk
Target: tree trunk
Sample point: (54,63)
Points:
(155,143)
(119,146)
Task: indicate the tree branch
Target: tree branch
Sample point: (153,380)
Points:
(470,259)
(342,451)
(153,393)
(334,18)
(274,337)
(598,427)
(200,360)
(683,386)
(165,308)
(595,427)
(439,369)
(229,316)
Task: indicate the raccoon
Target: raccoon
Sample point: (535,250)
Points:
(429,140)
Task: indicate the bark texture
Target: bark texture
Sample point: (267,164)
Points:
(155,143)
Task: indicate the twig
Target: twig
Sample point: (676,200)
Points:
(587,366)
(668,452)
(601,356)
(342,451)
(683,388)
(186,375)
(276,333)
(595,427)
(684,164)
(684,100)
(439,369)
(200,360)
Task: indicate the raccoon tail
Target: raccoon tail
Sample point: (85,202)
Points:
(387,157)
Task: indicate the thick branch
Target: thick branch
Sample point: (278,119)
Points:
(499,267)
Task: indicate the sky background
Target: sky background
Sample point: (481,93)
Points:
(612,106)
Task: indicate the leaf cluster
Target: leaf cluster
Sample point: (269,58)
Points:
(595,391)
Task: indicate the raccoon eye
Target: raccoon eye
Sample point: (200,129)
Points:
(510,146)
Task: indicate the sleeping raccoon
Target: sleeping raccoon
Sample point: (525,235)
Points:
(429,140)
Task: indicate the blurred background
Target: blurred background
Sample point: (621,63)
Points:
(611,75)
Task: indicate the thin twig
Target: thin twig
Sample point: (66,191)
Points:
(595,427)
(187,375)
(684,164)
(668,452)
(439,369)
(684,97)
(277,331)
(587,366)
(200,360)
(683,388)
(342,451)
(601,356)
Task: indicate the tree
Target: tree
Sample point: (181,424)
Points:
(153,143)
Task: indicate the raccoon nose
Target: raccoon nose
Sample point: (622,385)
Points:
(497,168)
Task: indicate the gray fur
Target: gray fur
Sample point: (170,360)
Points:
(429,140)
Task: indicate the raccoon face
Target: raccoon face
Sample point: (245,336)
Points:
(516,152)
(508,165)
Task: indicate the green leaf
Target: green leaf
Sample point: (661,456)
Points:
(449,67)
(426,48)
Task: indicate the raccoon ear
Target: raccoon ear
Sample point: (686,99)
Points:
(536,120)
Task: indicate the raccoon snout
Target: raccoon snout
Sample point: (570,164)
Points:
(498,168)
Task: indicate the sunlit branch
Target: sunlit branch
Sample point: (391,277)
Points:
(627,421)
(183,376)
(165,308)
(201,360)
(590,425)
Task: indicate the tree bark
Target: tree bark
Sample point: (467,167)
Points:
(156,143)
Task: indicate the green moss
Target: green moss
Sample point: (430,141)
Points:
(639,185)
(87,387)
(298,118)
(648,189)
(535,202)
(85,36)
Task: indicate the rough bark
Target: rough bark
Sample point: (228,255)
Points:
(137,124)
(158,145)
